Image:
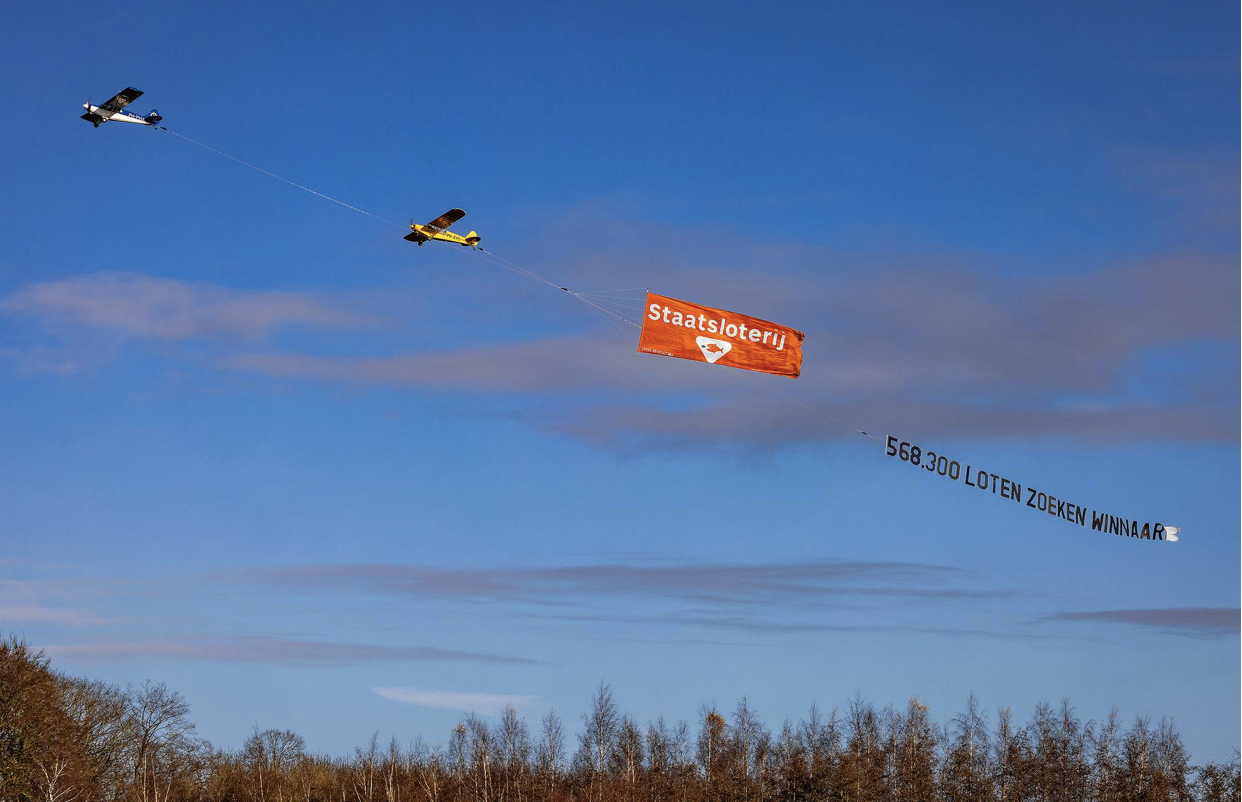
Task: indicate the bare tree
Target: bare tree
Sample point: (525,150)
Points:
(482,755)
(599,728)
(393,770)
(750,740)
(965,770)
(365,770)
(459,754)
(1172,764)
(311,778)
(863,761)
(1010,761)
(1106,755)
(43,749)
(68,740)
(514,740)
(599,732)
(712,743)
(821,738)
(55,781)
(98,710)
(660,760)
(627,753)
(1137,751)
(431,769)
(271,754)
(659,747)
(550,753)
(1219,782)
(161,739)
(914,756)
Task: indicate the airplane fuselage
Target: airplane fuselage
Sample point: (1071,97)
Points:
(423,233)
(116,117)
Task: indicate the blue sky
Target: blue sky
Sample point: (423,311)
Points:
(259,448)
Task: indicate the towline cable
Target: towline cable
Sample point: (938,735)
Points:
(281,178)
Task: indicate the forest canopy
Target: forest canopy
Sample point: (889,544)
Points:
(68,739)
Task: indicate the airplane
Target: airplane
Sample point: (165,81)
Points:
(112,110)
(438,229)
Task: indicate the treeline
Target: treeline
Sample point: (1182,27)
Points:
(66,739)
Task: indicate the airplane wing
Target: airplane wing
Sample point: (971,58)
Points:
(121,99)
(447,219)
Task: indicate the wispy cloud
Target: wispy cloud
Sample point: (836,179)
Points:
(962,349)
(784,584)
(773,598)
(537,366)
(131,306)
(1201,189)
(11,615)
(269,651)
(28,596)
(1200,622)
(966,347)
(1196,66)
(778,625)
(749,423)
(950,325)
(491,704)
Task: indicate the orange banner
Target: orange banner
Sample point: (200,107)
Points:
(690,331)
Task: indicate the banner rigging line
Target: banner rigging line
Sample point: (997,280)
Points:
(281,178)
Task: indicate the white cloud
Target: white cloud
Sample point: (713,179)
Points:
(127,305)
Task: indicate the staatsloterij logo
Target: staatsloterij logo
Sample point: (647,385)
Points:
(713,349)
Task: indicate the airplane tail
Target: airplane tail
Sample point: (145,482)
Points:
(154,117)
(473,238)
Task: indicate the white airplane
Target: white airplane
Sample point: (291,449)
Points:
(112,110)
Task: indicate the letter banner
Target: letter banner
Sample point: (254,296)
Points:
(1038,500)
(690,331)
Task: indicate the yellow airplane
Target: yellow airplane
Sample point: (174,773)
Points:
(438,229)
